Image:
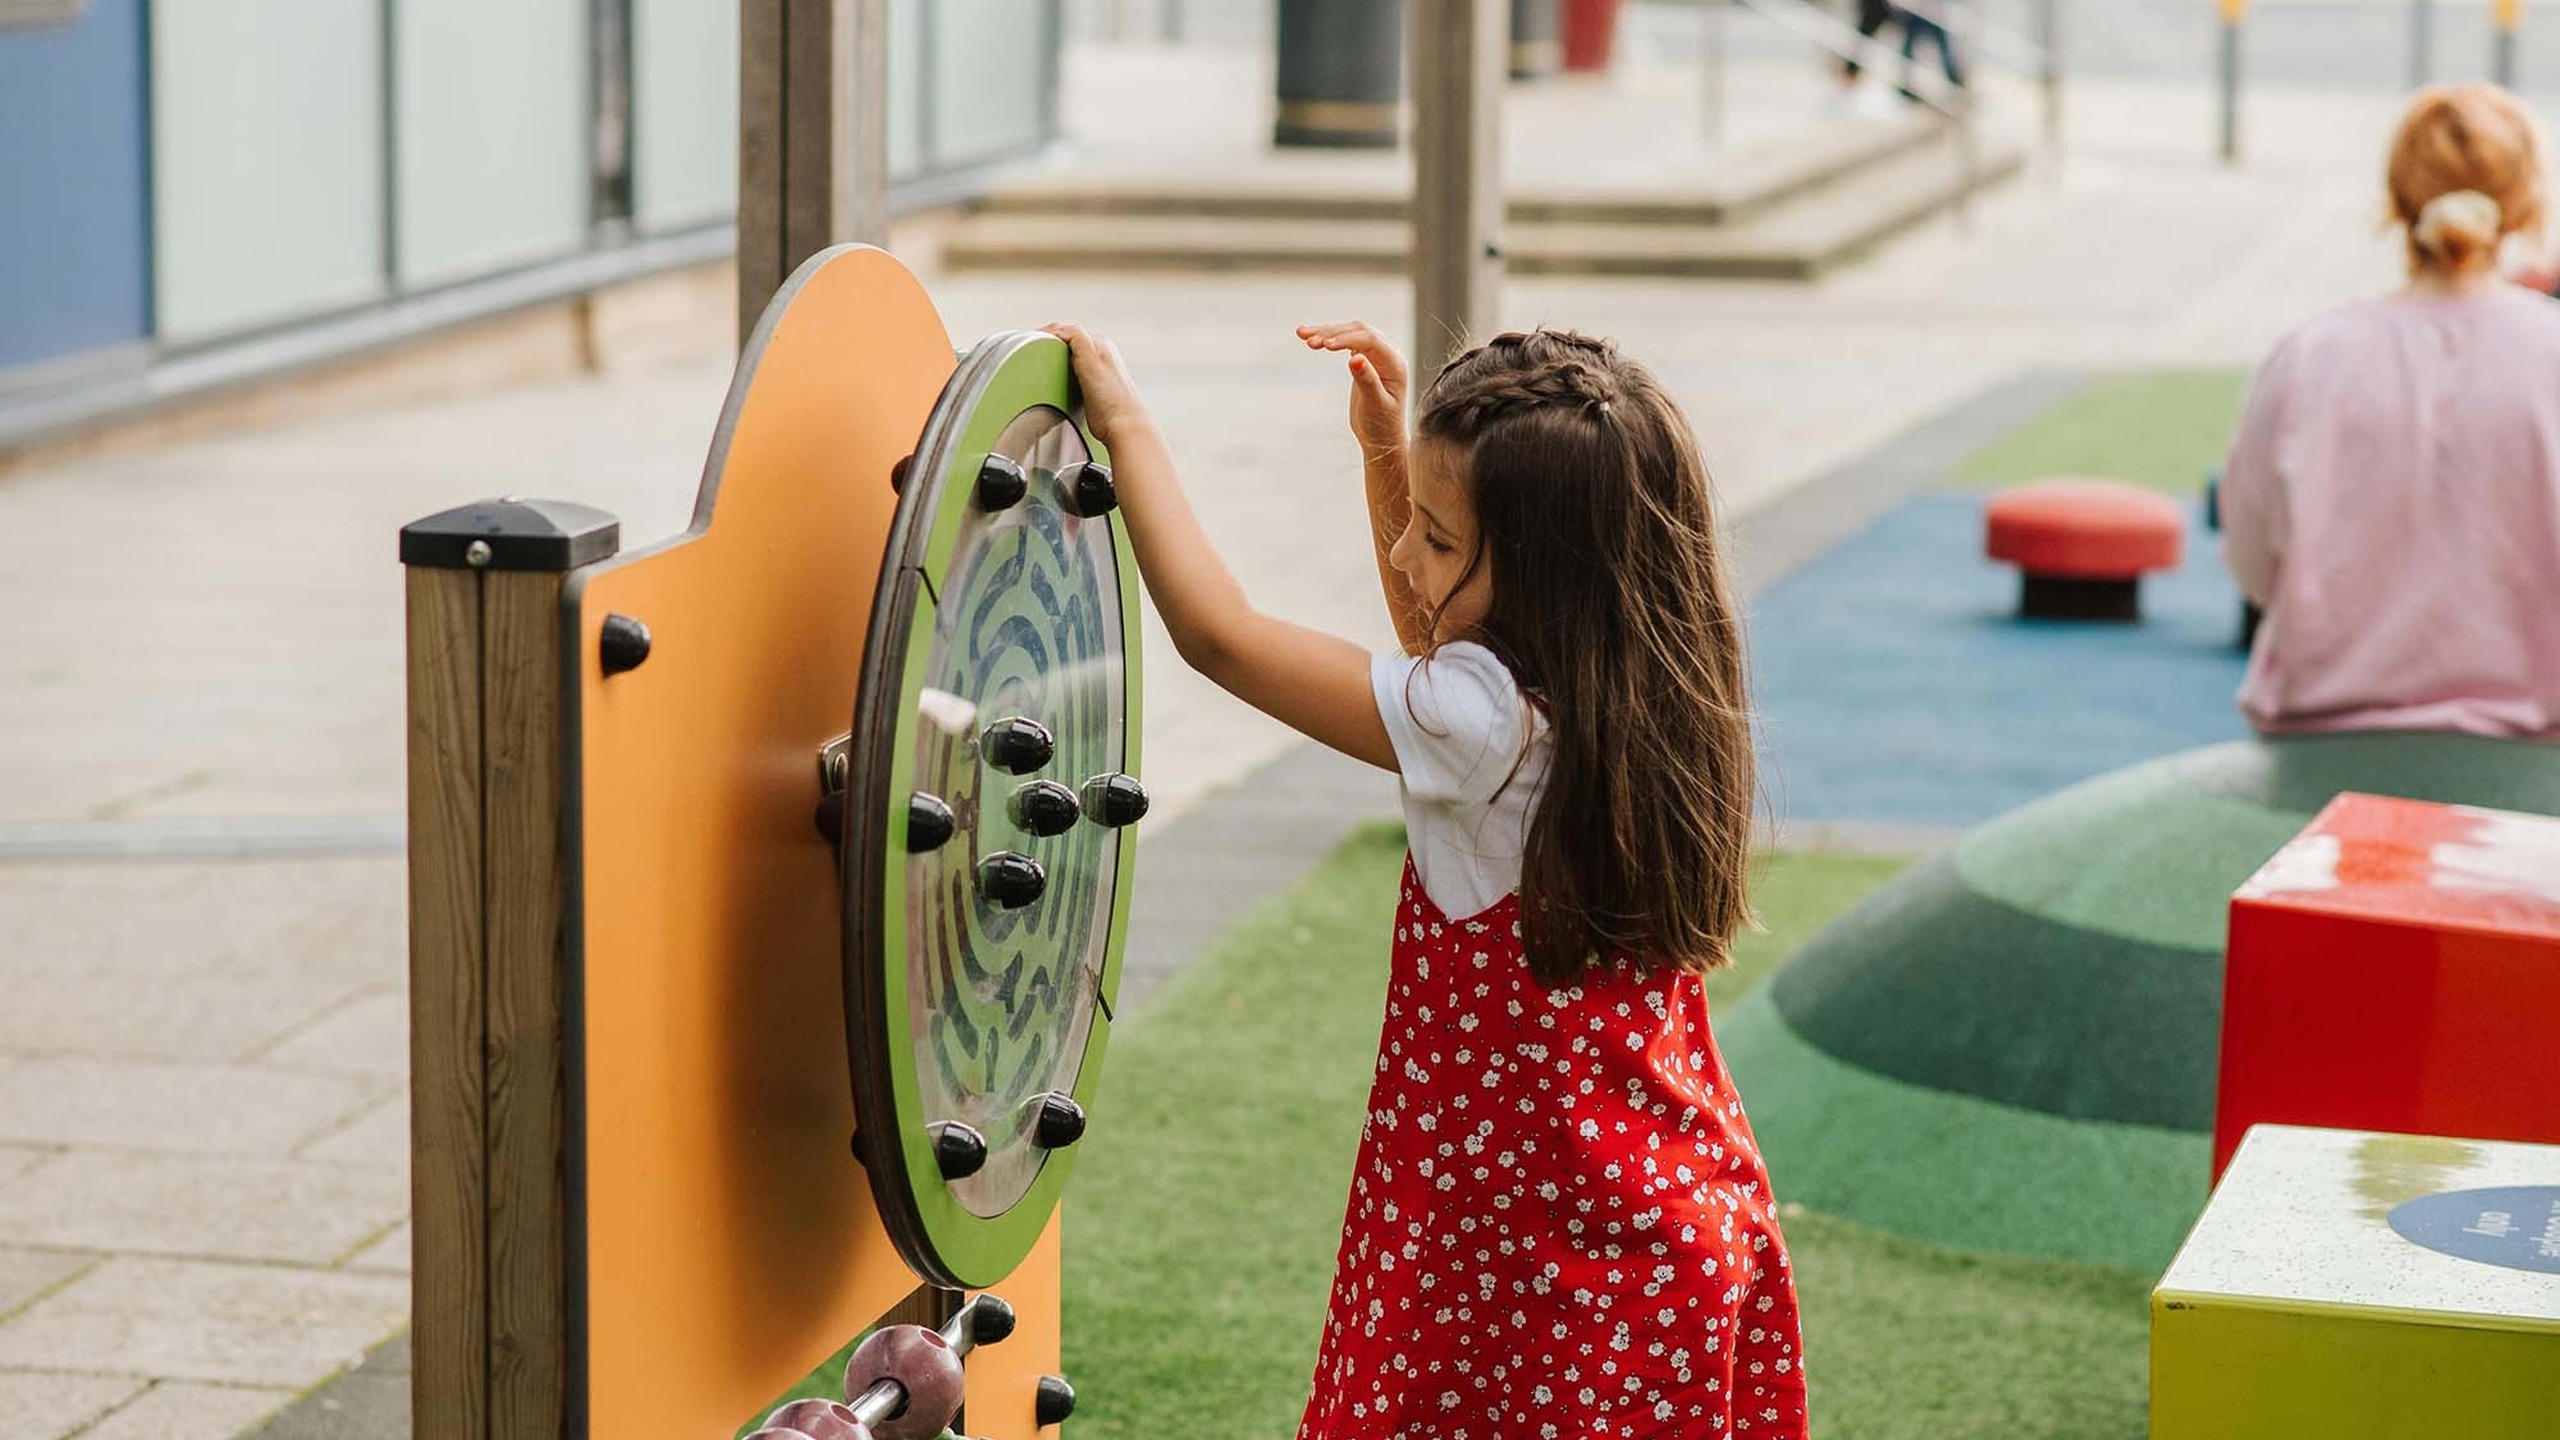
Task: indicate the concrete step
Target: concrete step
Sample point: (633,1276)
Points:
(1339,187)
(1796,241)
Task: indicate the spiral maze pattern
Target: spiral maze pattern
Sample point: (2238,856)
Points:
(1027,625)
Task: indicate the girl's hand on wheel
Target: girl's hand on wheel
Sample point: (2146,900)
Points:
(1111,404)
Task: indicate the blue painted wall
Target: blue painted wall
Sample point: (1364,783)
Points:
(75,226)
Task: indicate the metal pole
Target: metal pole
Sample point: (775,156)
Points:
(1963,20)
(2233,12)
(1460,57)
(2422,42)
(2509,15)
(1715,16)
(1169,18)
(2049,37)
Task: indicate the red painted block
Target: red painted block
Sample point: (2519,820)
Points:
(2396,967)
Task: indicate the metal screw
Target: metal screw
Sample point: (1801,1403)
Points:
(476,554)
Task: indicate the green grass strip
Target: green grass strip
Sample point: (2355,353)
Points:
(2163,431)
(1955,1170)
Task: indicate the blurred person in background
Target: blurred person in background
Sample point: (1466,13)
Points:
(2392,499)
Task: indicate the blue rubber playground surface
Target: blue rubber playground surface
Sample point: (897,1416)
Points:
(1897,685)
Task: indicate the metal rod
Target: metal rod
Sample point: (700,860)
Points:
(884,1398)
(2233,11)
(2049,40)
(1714,16)
(2422,42)
(2509,17)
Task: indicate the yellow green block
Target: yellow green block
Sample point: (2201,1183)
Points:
(2355,1286)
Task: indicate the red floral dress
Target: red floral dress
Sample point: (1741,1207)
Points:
(1559,1228)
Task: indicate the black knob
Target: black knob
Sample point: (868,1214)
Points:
(1011,880)
(1053,1402)
(929,823)
(1017,745)
(1090,489)
(1001,483)
(958,1151)
(1061,1121)
(830,817)
(990,1320)
(1115,800)
(623,645)
(898,474)
(1044,807)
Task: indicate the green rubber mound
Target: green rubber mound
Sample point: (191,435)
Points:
(2012,1046)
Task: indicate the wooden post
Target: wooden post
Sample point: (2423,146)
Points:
(1458,55)
(1715,22)
(489,1304)
(813,137)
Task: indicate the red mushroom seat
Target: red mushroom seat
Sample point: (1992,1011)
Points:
(2082,546)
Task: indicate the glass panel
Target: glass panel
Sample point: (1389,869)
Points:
(991,63)
(684,112)
(492,124)
(266,134)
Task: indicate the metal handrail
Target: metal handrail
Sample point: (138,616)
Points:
(1825,32)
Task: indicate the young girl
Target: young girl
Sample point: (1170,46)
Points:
(2392,500)
(1558,1225)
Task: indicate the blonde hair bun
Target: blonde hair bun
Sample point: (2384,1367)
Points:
(2466,216)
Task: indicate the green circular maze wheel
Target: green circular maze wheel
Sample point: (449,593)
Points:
(987,840)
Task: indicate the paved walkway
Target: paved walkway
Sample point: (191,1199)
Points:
(202,1130)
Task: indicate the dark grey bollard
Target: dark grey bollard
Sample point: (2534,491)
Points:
(1341,73)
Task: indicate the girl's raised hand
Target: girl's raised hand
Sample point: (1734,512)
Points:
(1111,404)
(1378,383)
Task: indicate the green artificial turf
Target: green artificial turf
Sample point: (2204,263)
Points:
(1201,1230)
(2165,431)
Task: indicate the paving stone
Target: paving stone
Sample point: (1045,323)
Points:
(199,1320)
(213,1206)
(47,1405)
(17,1160)
(192,1107)
(176,1410)
(366,1035)
(389,1255)
(26,1274)
(369,1402)
(71,1009)
(377,1137)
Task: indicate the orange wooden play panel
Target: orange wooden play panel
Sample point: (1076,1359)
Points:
(640,1022)
(2396,967)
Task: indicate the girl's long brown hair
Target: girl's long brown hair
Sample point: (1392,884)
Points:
(1596,526)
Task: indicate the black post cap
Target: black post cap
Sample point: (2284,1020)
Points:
(1011,880)
(1044,807)
(991,1320)
(958,1151)
(1061,1121)
(929,823)
(1053,1402)
(1090,489)
(1001,483)
(1017,745)
(511,534)
(1115,800)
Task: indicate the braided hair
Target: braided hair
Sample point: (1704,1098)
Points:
(1596,525)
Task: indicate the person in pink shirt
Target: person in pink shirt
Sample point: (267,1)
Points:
(2392,500)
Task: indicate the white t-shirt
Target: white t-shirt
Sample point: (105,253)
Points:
(1474,755)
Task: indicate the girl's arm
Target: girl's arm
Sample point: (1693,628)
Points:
(1379,382)
(1315,683)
